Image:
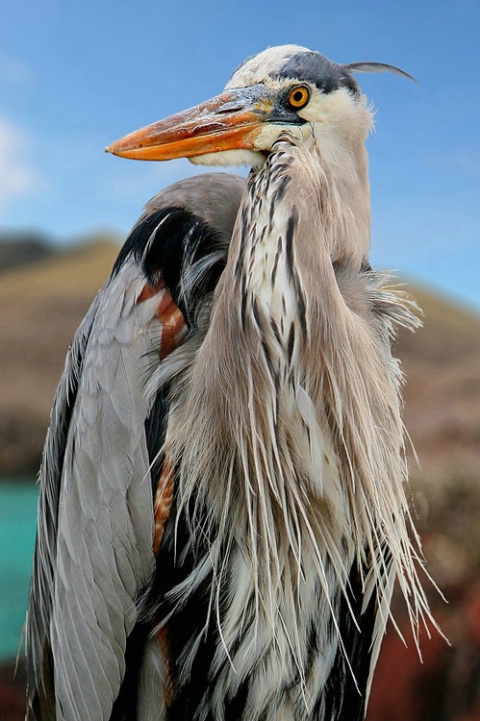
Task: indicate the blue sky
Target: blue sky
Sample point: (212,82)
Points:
(74,76)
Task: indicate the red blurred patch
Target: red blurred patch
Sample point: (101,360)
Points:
(446,686)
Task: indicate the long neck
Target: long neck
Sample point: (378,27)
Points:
(328,187)
(345,182)
(286,341)
(288,427)
(280,390)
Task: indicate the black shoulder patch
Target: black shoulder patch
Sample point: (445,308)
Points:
(168,243)
(314,68)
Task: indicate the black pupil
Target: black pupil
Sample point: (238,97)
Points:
(298,96)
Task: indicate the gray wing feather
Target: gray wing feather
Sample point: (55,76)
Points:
(94,551)
(41,592)
(94,554)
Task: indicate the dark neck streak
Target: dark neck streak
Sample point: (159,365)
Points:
(263,254)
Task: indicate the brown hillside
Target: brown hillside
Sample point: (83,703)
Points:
(442,415)
(41,306)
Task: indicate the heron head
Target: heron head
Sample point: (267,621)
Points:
(282,89)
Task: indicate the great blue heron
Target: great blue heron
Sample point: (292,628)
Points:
(222,512)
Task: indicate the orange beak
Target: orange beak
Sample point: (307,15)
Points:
(230,121)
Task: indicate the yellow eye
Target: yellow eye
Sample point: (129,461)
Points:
(299,97)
